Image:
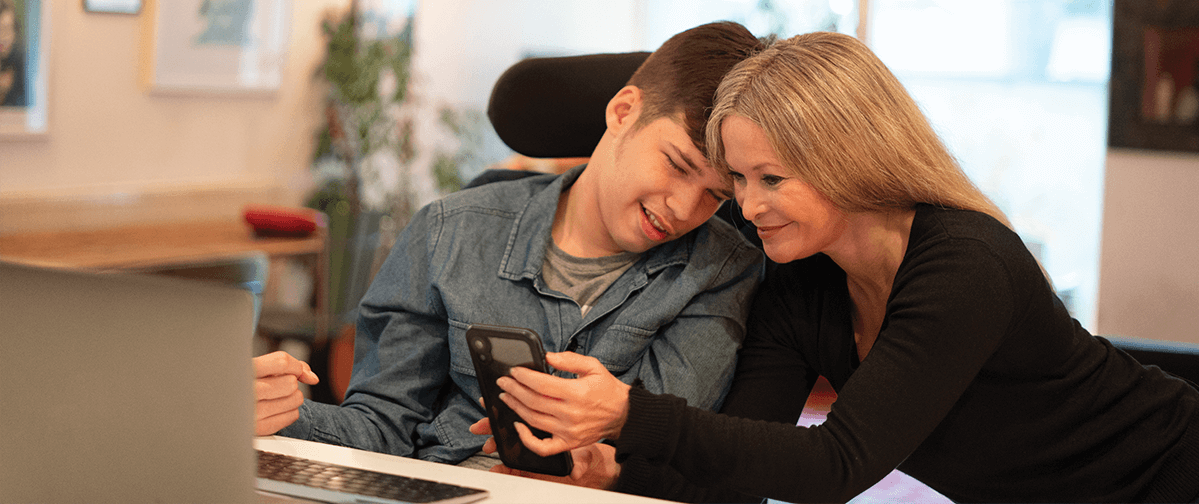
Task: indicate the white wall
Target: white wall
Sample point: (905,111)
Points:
(462,47)
(112,141)
(1149,256)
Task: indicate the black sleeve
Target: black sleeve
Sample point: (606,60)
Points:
(949,311)
(655,477)
(772,383)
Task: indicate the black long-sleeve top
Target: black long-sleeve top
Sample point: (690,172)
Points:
(980,385)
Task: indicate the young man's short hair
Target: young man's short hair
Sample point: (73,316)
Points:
(682,75)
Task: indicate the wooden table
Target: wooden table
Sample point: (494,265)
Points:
(146,247)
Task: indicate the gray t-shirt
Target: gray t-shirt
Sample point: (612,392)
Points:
(583,278)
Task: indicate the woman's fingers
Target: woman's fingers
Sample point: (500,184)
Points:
(566,432)
(576,412)
(594,466)
(544,447)
(573,363)
(537,415)
(542,383)
(555,386)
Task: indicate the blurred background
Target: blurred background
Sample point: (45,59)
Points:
(120,113)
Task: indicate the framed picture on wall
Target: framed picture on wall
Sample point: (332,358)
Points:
(113,6)
(216,46)
(24,57)
(1155,75)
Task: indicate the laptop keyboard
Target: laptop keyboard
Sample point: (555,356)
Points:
(336,478)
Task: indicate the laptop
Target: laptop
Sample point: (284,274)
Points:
(138,388)
(124,388)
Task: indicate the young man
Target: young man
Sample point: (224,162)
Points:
(619,259)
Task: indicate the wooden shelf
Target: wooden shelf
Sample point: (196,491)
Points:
(151,246)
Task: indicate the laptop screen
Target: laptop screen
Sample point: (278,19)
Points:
(124,388)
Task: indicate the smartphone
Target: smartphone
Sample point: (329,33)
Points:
(495,350)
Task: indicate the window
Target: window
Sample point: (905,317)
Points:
(1017,89)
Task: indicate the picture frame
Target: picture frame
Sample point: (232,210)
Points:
(1154,86)
(215,46)
(113,6)
(24,68)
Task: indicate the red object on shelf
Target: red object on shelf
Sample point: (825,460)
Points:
(268,220)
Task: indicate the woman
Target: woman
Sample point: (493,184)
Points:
(902,284)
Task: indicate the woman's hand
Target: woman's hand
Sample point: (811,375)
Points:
(578,412)
(594,465)
(277,395)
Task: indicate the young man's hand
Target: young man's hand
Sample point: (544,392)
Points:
(578,412)
(594,465)
(277,395)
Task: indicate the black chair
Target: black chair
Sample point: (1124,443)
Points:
(554,107)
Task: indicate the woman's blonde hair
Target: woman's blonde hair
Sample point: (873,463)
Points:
(840,121)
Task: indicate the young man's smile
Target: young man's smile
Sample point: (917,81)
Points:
(652,226)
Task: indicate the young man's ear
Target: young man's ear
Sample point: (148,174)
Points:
(623,109)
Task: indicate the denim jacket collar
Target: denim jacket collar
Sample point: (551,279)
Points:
(531,233)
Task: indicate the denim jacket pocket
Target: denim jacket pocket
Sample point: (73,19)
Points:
(620,347)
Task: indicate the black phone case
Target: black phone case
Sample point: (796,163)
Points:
(488,369)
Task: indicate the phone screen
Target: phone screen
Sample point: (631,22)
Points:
(511,352)
(495,350)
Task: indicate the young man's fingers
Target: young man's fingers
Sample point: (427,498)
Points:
(274,387)
(482,427)
(272,415)
(307,376)
(276,363)
(282,363)
(270,407)
(275,423)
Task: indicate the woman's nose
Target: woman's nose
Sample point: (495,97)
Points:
(748,200)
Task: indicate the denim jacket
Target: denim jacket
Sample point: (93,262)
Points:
(674,319)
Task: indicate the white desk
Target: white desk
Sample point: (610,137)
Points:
(503,488)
